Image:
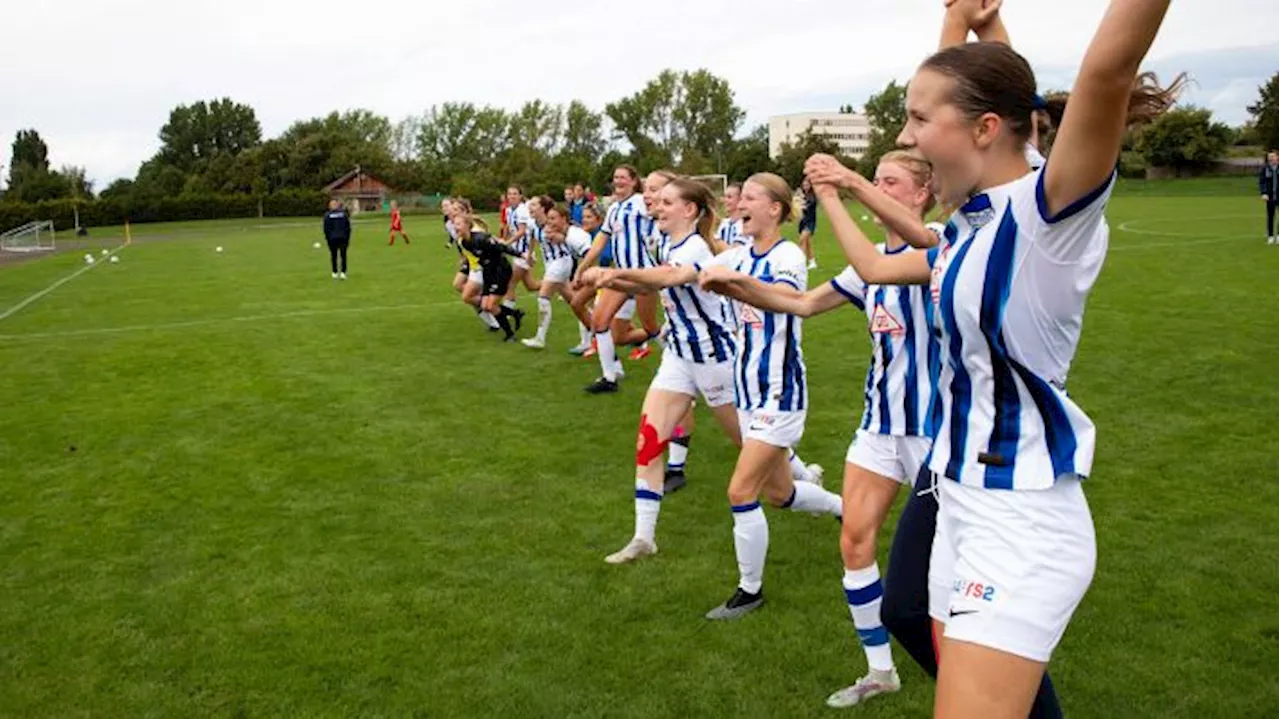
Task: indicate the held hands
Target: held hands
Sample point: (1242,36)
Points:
(715,278)
(826,170)
(596,277)
(976,13)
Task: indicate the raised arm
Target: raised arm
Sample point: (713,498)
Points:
(1088,140)
(768,296)
(897,217)
(910,268)
(981,16)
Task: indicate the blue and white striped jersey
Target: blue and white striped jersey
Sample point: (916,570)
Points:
(577,241)
(698,327)
(769,371)
(518,217)
(730,233)
(551,251)
(628,226)
(904,356)
(1009,283)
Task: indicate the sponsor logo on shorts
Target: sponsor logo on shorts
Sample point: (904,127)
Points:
(974,590)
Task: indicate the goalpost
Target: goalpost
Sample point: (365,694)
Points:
(32,237)
(717,183)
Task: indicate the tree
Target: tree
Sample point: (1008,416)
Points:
(676,114)
(792,156)
(749,154)
(1266,114)
(197,133)
(583,132)
(886,113)
(1185,139)
(29,150)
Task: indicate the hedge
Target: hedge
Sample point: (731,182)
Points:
(114,211)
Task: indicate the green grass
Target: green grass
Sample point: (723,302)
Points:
(232,486)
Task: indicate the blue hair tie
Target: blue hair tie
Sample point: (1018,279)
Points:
(1039,103)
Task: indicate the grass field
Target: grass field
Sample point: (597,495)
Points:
(230,485)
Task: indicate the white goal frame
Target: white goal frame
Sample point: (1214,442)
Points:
(718,183)
(38,236)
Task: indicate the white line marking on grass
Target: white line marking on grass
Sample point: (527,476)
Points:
(1202,238)
(13,310)
(218,321)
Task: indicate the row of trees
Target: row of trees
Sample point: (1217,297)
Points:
(688,121)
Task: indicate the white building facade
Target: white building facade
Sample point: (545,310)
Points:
(851,131)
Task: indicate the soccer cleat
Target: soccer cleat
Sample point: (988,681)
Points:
(533,343)
(589,352)
(334,275)
(816,473)
(602,386)
(875,683)
(673,481)
(342,275)
(578,350)
(519,315)
(739,605)
(813,264)
(640,352)
(637,548)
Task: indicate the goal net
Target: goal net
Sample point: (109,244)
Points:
(31,237)
(717,183)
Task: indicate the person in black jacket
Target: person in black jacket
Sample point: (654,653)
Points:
(1269,186)
(495,268)
(337,232)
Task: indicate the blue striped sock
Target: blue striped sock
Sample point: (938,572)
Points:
(863,591)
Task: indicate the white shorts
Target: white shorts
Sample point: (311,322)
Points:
(712,381)
(780,429)
(558,270)
(1008,568)
(475,277)
(627,311)
(896,457)
(520,263)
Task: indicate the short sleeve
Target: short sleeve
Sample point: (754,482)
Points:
(850,284)
(791,267)
(730,258)
(693,252)
(1075,230)
(611,219)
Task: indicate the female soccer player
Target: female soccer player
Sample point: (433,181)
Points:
(1014,550)
(520,226)
(470,280)
(561,243)
(730,230)
(890,445)
(396,225)
(770,385)
(626,228)
(699,353)
(496,270)
(808,221)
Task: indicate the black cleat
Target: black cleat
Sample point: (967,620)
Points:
(739,605)
(509,338)
(519,315)
(602,386)
(674,481)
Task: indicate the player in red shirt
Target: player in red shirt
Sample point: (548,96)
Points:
(396,227)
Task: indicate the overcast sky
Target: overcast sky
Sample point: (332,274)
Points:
(98,79)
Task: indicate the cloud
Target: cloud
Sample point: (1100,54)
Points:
(101,92)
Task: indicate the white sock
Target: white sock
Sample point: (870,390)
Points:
(605,351)
(648,504)
(751,544)
(584,335)
(799,472)
(488,319)
(544,317)
(812,498)
(509,304)
(863,591)
(678,451)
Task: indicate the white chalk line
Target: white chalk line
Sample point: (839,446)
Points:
(1203,238)
(32,298)
(219,321)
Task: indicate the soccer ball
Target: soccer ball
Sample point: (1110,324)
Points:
(88,259)
(114,259)
(104,252)
(315,245)
(865,218)
(218,248)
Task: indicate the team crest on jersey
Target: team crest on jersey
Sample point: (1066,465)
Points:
(882,322)
(751,317)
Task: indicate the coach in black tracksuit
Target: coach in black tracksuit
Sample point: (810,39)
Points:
(1269,186)
(337,232)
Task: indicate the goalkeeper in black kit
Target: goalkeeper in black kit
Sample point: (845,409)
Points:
(337,232)
(495,268)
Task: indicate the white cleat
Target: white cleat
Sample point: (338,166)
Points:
(533,343)
(813,264)
(637,548)
(875,683)
(816,473)
(342,275)
(334,275)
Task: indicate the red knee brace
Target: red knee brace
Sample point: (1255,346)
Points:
(648,447)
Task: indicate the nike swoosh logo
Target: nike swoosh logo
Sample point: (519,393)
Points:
(962,612)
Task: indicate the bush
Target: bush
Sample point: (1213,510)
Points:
(141,209)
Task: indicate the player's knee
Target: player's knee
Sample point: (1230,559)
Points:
(740,494)
(857,544)
(649,446)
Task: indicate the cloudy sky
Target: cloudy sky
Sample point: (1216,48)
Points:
(98,79)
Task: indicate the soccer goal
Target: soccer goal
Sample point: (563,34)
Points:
(31,237)
(717,183)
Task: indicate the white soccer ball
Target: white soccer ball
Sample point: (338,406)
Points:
(114,259)
(218,248)
(104,252)
(865,218)
(315,245)
(88,259)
